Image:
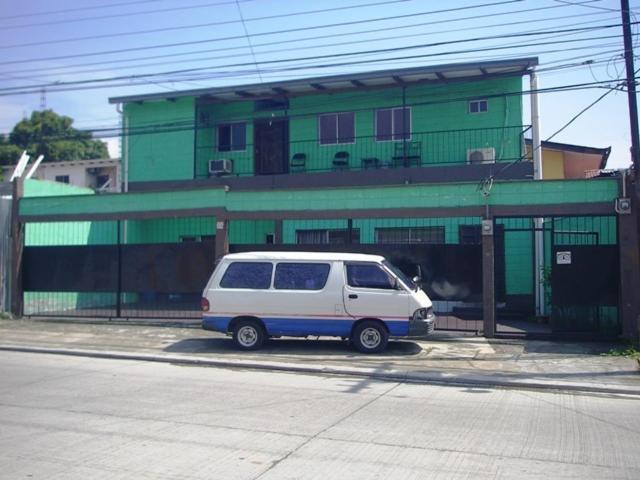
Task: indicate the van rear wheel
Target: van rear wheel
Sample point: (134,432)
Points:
(370,337)
(248,335)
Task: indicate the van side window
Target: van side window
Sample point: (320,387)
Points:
(361,275)
(301,276)
(256,275)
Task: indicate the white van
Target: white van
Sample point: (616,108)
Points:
(256,295)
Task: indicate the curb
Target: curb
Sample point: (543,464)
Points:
(431,378)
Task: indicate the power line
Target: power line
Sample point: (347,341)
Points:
(434,89)
(277,32)
(297,40)
(119,15)
(575,117)
(69,10)
(342,55)
(214,24)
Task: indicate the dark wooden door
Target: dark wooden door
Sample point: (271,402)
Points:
(271,146)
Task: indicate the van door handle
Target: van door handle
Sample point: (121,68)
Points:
(353,295)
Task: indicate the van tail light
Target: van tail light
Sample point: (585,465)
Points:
(204,304)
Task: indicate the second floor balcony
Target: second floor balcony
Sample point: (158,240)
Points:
(272,152)
(273,160)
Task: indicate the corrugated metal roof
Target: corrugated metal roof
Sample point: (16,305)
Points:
(375,79)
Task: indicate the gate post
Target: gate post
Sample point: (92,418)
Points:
(629,245)
(222,237)
(488,279)
(17,246)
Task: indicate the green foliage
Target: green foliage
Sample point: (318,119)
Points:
(628,351)
(52,135)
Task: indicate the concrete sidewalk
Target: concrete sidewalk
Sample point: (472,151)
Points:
(443,358)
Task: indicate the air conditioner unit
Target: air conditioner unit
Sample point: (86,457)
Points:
(221,166)
(481,155)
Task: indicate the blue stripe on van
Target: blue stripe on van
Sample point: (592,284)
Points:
(305,326)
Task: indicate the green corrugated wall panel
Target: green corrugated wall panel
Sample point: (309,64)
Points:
(518,251)
(160,140)
(249,231)
(446,195)
(605,230)
(168,230)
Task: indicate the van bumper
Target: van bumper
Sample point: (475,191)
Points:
(419,327)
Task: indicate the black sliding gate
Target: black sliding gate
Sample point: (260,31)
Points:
(111,278)
(158,268)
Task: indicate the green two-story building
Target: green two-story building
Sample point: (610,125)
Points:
(424,164)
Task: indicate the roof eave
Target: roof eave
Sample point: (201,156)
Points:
(358,80)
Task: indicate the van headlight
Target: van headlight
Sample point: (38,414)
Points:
(423,314)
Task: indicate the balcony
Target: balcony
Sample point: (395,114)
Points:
(423,157)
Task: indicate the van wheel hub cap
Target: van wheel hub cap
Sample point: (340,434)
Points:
(247,336)
(370,337)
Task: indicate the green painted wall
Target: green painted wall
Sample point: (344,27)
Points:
(168,230)
(441,195)
(155,154)
(160,140)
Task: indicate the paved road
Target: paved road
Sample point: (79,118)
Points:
(77,418)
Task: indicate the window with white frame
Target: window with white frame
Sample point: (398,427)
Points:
(478,106)
(393,124)
(336,128)
(232,137)
(62,178)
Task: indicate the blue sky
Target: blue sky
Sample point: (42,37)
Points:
(43,42)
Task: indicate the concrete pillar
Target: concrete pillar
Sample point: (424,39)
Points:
(17,247)
(488,279)
(222,237)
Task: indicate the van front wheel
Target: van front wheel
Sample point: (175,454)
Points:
(370,337)
(248,335)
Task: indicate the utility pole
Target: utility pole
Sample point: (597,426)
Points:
(631,91)
(635,155)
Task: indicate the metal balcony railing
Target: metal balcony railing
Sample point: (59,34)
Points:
(420,149)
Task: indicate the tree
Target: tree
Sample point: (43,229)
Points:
(52,135)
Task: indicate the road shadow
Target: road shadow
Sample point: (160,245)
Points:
(324,347)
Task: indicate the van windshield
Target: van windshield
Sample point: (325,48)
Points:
(404,278)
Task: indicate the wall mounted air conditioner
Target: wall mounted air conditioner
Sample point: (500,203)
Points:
(481,155)
(222,166)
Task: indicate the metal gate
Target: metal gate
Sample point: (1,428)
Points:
(560,277)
